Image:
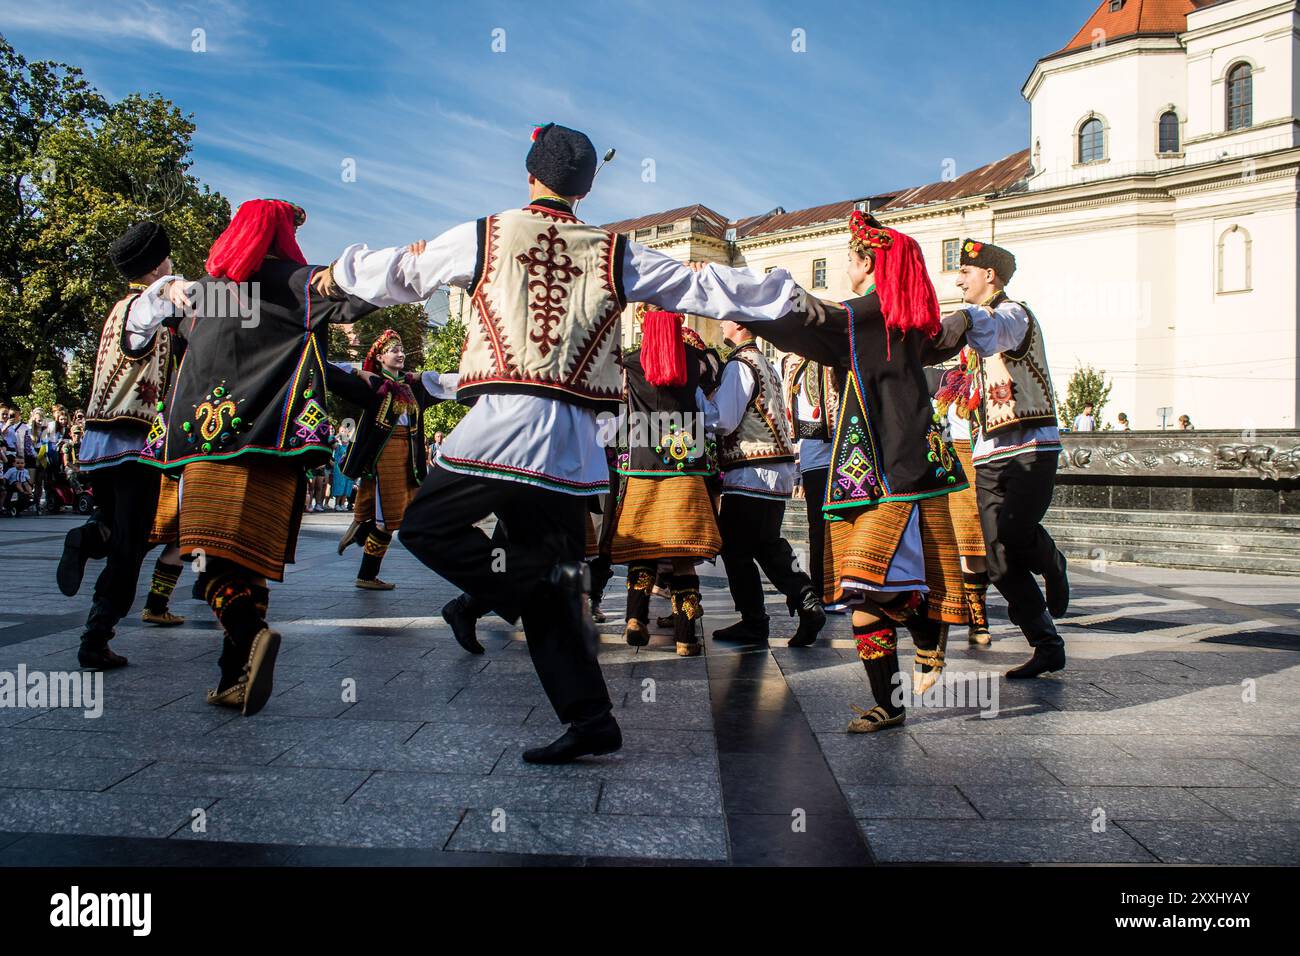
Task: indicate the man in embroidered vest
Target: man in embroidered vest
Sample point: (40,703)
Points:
(131,376)
(1016,444)
(756,455)
(541,358)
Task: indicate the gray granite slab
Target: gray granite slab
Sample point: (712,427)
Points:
(609,835)
(463,791)
(1000,841)
(278,782)
(906,802)
(1036,802)
(1235,843)
(105,814)
(355,825)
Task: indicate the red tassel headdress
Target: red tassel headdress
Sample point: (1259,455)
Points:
(663,353)
(260,227)
(907,295)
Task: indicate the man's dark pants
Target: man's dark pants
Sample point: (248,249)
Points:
(1014,495)
(126,500)
(508,573)
(751,532)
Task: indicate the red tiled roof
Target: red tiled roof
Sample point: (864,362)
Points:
(982,181)
(716,222)
(782,220)
(1134,18)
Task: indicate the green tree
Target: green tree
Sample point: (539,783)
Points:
(1087,386)
(41,396)
(75,171)
(443,355)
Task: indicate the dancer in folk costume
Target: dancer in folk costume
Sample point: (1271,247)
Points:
(756,456)
(548,292)
(891,552)
(245,417)
(957,396)
(664,511)
(1015,450)
(133,369)
(388,455)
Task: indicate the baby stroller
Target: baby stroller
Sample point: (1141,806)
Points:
(82,498)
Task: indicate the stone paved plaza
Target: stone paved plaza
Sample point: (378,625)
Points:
(1173,737)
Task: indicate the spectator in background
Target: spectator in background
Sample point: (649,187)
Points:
(1084,422)
(1123,423)
(1185,423)
(36,454)
(17,487)
(341,486)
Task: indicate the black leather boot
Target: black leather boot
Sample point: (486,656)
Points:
(461,614)
(1049,648)
(748,630)
(94,653)
(811,620)
(604,738)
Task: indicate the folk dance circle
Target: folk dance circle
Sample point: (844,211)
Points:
(922,490)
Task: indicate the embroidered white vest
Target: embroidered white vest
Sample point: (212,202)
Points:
(128,389)
(763,434)
(1016,385)
(546,311)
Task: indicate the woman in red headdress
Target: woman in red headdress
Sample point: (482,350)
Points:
(890,550)
(388,458)
(664,512)
(244,419)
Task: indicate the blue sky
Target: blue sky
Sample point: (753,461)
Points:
(438,123)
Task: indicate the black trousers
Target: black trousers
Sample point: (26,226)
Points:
(814,489)
(508,572)
(1013,495)
(126,499)
(751,539)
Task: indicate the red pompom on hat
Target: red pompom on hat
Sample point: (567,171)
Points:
(260,227)
(663,354)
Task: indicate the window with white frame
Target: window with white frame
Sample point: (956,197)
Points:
(951,255)
(1239,96)
(1092,141)
(819,274)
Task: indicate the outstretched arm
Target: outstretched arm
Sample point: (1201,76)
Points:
(403,274)
(708,289)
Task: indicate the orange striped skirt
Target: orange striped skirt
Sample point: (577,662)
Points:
(167,519)
(385,495)
(965,509)
(246,510)
(664,518)
(861,548)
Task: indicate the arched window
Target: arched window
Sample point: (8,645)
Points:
(1234,260)
(1169,132)
(1092,141)
(1240,96)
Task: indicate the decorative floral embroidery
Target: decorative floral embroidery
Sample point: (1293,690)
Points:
(310,420)
(676,448)
(550,272)
(216,419)
(877,644)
